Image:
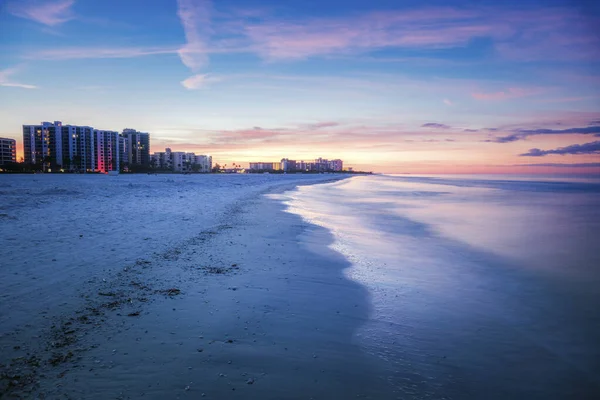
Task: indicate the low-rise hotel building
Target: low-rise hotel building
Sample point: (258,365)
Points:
(265,166)
(180,161)
(318,165)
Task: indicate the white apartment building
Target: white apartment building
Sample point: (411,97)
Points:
(55,145)
(180,161)
(204,162)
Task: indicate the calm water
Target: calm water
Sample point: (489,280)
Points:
(480,287)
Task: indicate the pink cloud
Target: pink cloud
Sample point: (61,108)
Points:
(510,93)
(432,28)
(48,13)
(538,34)
(543,34)
(199,81)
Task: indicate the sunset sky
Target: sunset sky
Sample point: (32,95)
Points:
(389,86)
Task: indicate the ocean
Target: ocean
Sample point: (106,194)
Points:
(480,287)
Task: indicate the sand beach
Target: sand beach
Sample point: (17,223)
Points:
(174,287)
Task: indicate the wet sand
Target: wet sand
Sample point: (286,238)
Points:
(255,307)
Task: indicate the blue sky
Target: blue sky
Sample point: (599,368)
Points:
(386,85)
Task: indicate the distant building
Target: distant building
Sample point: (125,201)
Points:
(204,162)
(137,147)
(321,165)
(162,160)
(179,161)
(336,165)
(265,166)
(8,151)
(288,165)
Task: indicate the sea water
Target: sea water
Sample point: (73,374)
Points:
(480,287)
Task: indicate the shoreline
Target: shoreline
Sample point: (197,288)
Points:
(218,301)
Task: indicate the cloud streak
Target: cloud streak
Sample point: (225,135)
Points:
(207,31)
(49,13)
(521,134)
(73,53)
(510,93)
(586,148)
(5,80)
(540,34)
(435,125)
(423,28)
(195,19)
(199,81)
(560,165)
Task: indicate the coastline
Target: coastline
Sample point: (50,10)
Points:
(243,309)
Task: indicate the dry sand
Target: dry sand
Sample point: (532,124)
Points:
(254,307)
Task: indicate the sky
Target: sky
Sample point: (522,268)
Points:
(397,86)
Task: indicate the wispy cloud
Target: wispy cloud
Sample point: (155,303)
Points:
(321,125)
(520,134)
(18,85)
(195,19)
(560,165)
(510,93)
(448,102)
(71,53)
(586,148)
(199,81)
(435,125)
(49,13)
(549,33)
(422,28)
(330,134)
(208,30)
(7,82)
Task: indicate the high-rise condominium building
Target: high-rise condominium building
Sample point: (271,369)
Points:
(123,151)
(138,147)
(8,151)
(55,145)
(71,147)
(107,150)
